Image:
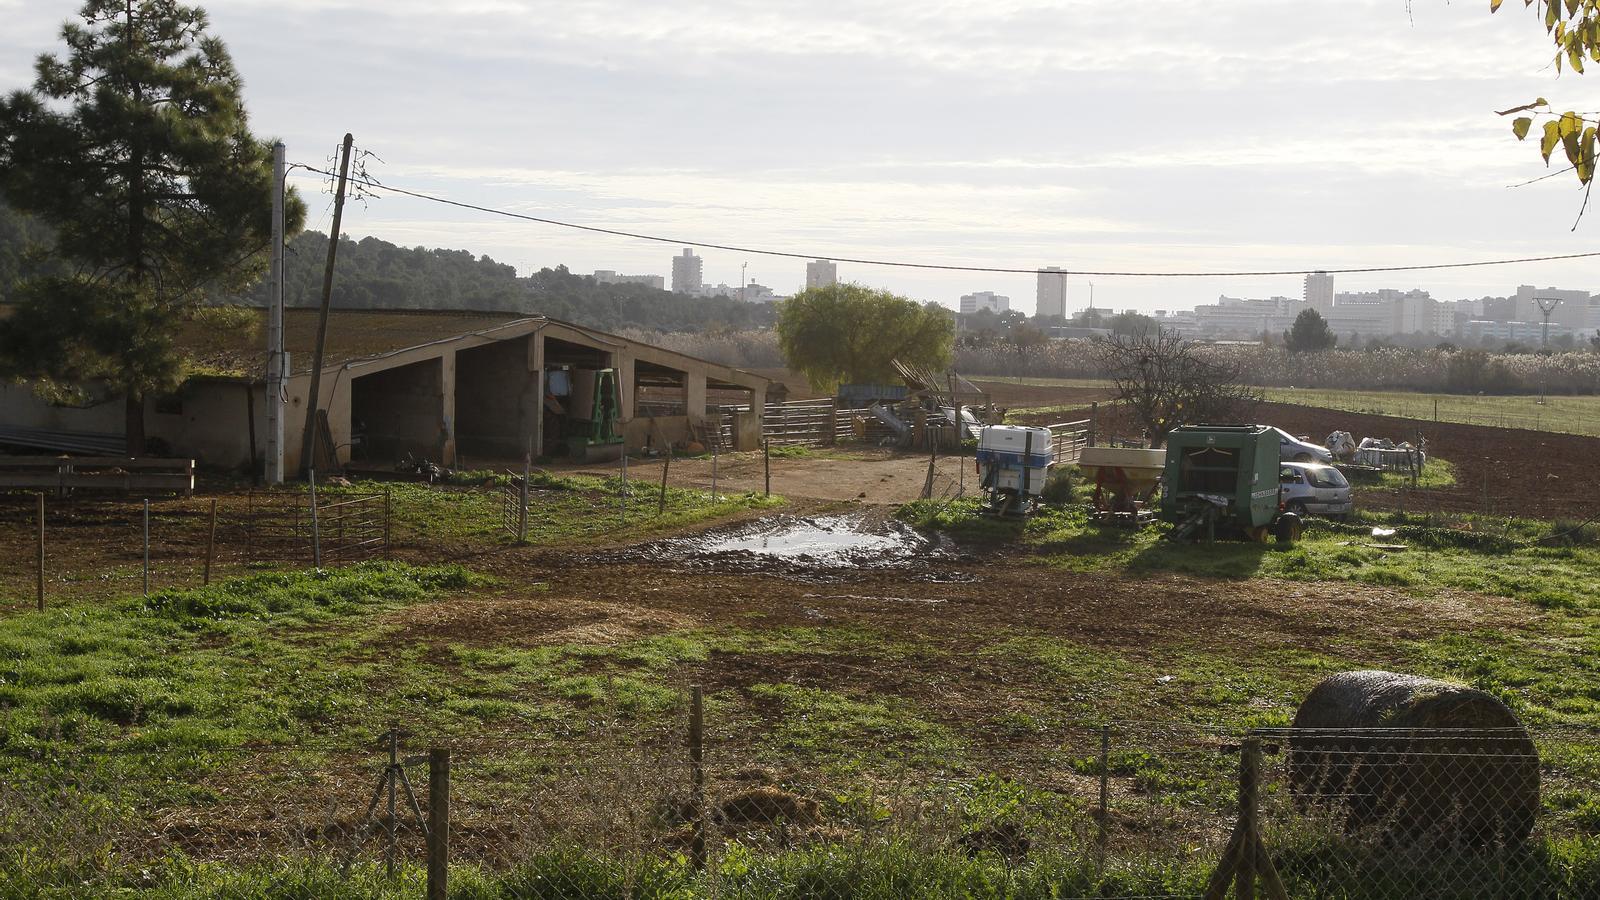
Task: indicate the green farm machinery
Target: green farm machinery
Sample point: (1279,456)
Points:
(1223,480)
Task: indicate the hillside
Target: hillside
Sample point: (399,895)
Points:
(375,274)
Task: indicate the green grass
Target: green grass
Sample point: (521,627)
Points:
(1571,415)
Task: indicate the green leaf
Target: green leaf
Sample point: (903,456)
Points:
(1552,137)
(1570,123)
(1519,127)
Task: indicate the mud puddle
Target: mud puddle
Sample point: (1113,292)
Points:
(819,548)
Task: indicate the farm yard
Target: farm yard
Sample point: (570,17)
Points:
(898,696)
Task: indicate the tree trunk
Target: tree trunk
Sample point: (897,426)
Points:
(133,426)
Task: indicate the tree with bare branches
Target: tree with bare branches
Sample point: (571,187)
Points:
(1166,383)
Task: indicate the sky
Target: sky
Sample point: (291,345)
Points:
(1232,135)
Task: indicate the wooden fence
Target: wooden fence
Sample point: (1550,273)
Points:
(62,475)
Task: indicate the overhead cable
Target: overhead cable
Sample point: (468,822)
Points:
(947,267)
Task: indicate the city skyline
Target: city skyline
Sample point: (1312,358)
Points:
(1346,170)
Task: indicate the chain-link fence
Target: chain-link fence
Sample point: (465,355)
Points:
(1126,810)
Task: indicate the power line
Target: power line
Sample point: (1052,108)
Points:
(899,264)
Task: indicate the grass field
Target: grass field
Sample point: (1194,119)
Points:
(1570,415)
(973,685)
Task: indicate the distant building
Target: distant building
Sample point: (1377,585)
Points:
(686,272)
(1052,297)
(971,303)
(821,273)
(607,276)
(1319,291)
(1576,309)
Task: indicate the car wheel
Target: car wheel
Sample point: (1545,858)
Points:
(1302,457)
(1297,507)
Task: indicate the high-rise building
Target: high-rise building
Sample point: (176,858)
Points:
(971,303)
(1319,291)
(821,273)
(686,272)
(1052,297)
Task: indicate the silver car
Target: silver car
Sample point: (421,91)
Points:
(1291,447)
(1314,489)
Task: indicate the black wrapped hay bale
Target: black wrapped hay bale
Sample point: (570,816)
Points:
(1412,759)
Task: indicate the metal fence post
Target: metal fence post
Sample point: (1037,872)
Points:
(697,776)
(41,551)
(766,462)
(522,498)
(147,546)
(714,462)
(438,823)
(316,531)
(1244,876)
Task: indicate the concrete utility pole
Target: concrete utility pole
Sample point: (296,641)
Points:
(308,441)
(277,362)
(1547,311)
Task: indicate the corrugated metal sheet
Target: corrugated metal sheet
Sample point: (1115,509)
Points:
(63,441)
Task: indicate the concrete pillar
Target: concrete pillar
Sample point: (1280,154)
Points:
(623,363)
(694,395)
(447,408)
(747,429)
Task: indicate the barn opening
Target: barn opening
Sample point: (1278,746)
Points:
(398,411)
(491,383)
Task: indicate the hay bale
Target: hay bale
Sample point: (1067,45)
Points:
(767,805)
(1415,760)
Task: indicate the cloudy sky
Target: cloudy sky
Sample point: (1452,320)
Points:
(1162,136)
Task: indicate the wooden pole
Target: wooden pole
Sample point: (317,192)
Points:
(41,552)
(438,823)
(211,542)
(697,775)
(1244,877)
(313,397)
(316,530)
(665,468)
(1103,831)
(522,497)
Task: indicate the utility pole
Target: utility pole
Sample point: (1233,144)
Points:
(277,363)
(1547,311)
(743,281)
(314,399)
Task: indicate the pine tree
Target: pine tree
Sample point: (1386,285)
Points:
(1309,333)
(134,149)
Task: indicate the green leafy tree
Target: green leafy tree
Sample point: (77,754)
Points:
(1574,28)
(134,149)
(846,333)
(1309,333)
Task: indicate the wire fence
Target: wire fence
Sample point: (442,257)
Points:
(1121,810)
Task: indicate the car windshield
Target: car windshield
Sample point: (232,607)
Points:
(1326,478)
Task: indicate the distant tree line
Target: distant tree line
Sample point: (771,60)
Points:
(376,274)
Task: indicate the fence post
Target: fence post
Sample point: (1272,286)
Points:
(714,463)
(1094,410)
(147,546)
(766,462)
(1103,831)
(388,514)
(697,776)
(211,542)
(622,492)
(438,823)
(1244,877)
(665,468)
(522,498)
(316,530)
(41,551)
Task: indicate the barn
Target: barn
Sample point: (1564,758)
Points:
(459,388)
